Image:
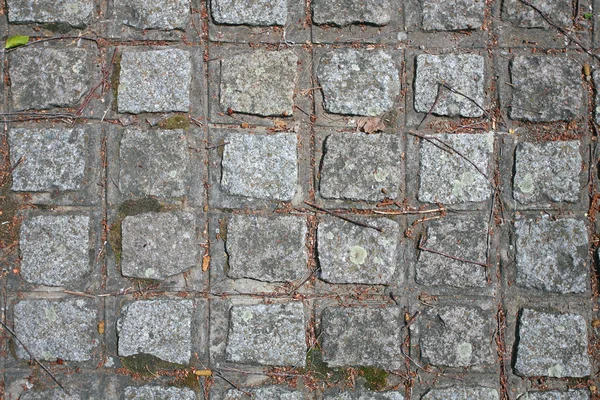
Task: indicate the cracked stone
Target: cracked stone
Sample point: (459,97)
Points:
(153,14)
(158,393)
(77,13)
(347,12)
(253,12)
(462,392)
(452,15)
(524,16)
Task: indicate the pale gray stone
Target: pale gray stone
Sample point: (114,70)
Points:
(77,13)
(158,393)
(556,395)
(462,393)
(52,394)
(153,14)
(347,12)
(364,395)
(250,12)
(441,15)
(523,16)
(267,392)
(596,76)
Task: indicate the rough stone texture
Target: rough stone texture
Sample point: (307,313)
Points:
(547,171)
(260,166)
(56,329)
(556,395)
(463,73)
(43,78)
(271,249)
(464,237)
(545,88)
(347,12)
(349,253)
(364,395)
(158,245)
(596,76)
(267,392)
(362,337)
(52,394)
(441,15)
(75,13)
(553,345)
(55,249)
(158,393)
(358,166)
(155,81)
(154,14)
(358,82)
(162,328)
(462,393)
(154,163)
(249,12)
(267,334)
(260,82)
(50,159)
(448,177)
(551,255)
(561,12)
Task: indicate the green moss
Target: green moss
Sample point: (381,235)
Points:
(58,27)
(147,364)
(376,378)
(316,367)
(175,122)
(115,80)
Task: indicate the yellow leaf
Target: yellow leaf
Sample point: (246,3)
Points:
(101,327)
(202,372)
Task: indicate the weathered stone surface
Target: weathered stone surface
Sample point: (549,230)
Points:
(154,81)
(464,237)
(553,345)
(56,329)
(52,394)
(55,249)
(75,13)
(47,159)
(440,15)
(267,392)
(358,166)
(462,393)
(556,395)
(358,82)
(551,255)
(267,334)
(364,395)
(349,253)
(463,73)
(545,88)
(162,328)
(158,393)
(362,337)
(260,166)
(260,82)
(596,76)
(158,245)
(43,78)
(271,249)
(253,12)
(523,16)
(347,12)
(153,14)
(448,177)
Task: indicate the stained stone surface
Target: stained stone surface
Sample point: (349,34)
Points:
(349,253)
(362,337)
(523,16)
(358,166)
(347,12)
(52,394)
(55,249)
(552,255)
(260,82)
(552,344)
(596,76)
(267,334)
(63,329)
(162,328)
(440,15)
(446,176)
(463,73)
(249,12)
(260,166)
(154,81)
(363,395)
(153,14)
(75,13)
(271,249)
(358,82)
(545,88)
(462,392)
(158,393)
(556,395)
(158,245)
(266,392)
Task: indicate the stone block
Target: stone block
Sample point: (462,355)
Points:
(363,395)
(158,393)
(441,15)
(523,16)
(596,76)
(153,14)
(556,395)
(77,13)
(348,12)
(462,392)
(252,13)
(266,392)
(51,394)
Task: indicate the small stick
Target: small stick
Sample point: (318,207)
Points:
(437,98)
(79,294)
(258,372)
(408,212)
(444,84)
(214,146)
(220,375)
(343,217)
(421,247)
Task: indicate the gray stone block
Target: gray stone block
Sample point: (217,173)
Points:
(158,245)
(552,255)
(464,73)
(596,76)
(267,334)
(162,328)
(75,13)
(364,395)
(260,166)
(260,83)
(55,250)
(154,81)
(253,13)
(523,16)
(349,253)
(52,394)
(358,166)
(270,249)
(348,12)
(462,393)
(153,14)
(267,392)
(556,395)
(441,15)
(56,329)
(451,178)
(362,337)
(158,393)
(358,82)
(545,89)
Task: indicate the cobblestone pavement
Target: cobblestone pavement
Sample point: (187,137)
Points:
(330,199)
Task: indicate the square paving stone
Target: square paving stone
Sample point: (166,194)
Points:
(56,329)
(362,337)
(349,253)
(462,393)
(545,89)
(260,166)
(358,82)
(523,16)
(358,166)
(348,12)
(162,328)
(556,395)
(267,392)
(158,393)
(260,82)
(552,344)
(552,255)
(449,177)
(55,250)
(267,334)
(153,14)
(441,15)
(154,81)
(271,249)
(464,73)
(158,245)
(52,394)
(363,395)
(547,171)
(253,13)
(75,13)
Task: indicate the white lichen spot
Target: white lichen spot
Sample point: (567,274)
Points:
(149,272)
(525,185)
(380,176)
(464,350)
(358,255)
(555,371)
(247,315)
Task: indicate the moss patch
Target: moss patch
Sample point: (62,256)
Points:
(376,378)
(58,27)
(175,122)
(147,364)
(115,79)
(319,370)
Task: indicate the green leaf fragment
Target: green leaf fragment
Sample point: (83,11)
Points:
(16,41)
(588,15)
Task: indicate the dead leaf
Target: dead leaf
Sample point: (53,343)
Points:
(101,327)
(202,372)
(280,125)
(370,125)
(245,125)
(205,262)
